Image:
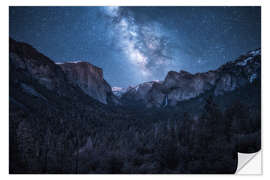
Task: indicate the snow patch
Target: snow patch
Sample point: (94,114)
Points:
(256,52)
(252,54)
(245,61)
(137,87)
(118,91)
(74,62)
(117,88)
(252,78)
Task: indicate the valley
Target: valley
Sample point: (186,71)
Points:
(66,118)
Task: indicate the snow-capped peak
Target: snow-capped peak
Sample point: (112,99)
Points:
(255,52)
(118,91)
(245,61)
(75,62)
(250,57)
(117,88)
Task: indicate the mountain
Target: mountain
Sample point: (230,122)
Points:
(25,59)
(62,78)
(63,118)
(181,86)
(138,93)
(118,91)
(89,78)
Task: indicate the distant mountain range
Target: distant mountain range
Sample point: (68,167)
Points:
(65,118)
(60,77)
(176,87)
(180,86)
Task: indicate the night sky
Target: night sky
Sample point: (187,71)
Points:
(137,44)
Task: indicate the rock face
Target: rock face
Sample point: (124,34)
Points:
(25,58)
(89,78)
(138,93)
(60,78)
(85,77)
(180,86)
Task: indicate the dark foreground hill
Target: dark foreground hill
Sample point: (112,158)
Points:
(56,126)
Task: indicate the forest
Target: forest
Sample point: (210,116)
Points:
(84,137)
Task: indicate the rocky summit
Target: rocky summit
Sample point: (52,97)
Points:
(89,78)
(25,58)
(59,77)
(180,86)
(176,87)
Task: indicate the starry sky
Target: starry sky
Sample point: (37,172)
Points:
(137,44)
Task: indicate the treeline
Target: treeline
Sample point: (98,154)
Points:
(80,139)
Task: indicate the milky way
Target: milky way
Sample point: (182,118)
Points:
(137,44)
(145,45)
